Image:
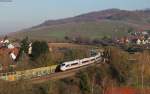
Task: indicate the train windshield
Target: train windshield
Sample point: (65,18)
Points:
(62,64)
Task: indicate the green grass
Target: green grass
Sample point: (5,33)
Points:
(91,30)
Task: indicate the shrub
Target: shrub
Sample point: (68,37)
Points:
(84,83)
(39,48)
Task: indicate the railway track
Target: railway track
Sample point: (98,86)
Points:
(61,75)
(48,73)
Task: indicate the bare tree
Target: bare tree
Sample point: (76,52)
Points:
(143,59)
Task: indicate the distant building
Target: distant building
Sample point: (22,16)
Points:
(30,49)
(123,40)
(143,42)
(10,46)
(138,42)
(16,45)
(14,53)
(6,41)
(144,33)
(148,40)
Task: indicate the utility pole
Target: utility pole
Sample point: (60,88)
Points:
(142,75)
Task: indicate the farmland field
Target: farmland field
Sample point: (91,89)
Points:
(91,30)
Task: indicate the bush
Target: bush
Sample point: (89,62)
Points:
(39,48)
(18,87)
(119,65)
(72,54)
(84,83)
(24,46)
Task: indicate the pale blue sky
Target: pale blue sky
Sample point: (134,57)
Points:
(20,14)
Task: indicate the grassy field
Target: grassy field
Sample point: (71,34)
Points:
(92,30)
(70,45)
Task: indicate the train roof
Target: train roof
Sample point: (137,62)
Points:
(84,59)
(70,62)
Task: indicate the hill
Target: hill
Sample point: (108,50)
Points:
(111,22)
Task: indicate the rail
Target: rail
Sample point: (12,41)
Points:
(28,74)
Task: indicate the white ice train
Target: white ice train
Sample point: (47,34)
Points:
(79,62)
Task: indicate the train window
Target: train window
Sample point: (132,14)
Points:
(67,65)
(84,61)
(74,64)
(92,59)
(62,64)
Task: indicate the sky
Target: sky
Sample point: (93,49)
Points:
(21,14)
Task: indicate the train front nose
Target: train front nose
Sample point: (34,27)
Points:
(62,67)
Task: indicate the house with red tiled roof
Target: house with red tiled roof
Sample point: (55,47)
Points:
(14,53)
(12,47)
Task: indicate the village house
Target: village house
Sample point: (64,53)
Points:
(8,53)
